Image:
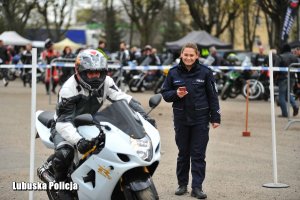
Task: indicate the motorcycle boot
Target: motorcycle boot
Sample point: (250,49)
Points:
(65,195)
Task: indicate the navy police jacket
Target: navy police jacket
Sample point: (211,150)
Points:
(201,104)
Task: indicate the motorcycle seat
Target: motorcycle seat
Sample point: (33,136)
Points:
(46,118)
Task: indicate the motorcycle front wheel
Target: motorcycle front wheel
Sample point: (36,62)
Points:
(234,92)
(133,85)
(52,195)
(225,91)
(157,87)
(147,193)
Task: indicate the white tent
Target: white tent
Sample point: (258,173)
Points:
(13,38)
(38,44)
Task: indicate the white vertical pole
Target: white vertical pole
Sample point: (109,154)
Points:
(275,184)
(33,109)
(273,118)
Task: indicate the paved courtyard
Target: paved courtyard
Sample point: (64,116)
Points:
(237,166)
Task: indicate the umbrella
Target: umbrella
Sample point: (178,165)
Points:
(66,42)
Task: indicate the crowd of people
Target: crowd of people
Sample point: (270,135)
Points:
(282,58)
(148,56)
(23,55)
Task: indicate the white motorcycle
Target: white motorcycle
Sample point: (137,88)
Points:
(119,168)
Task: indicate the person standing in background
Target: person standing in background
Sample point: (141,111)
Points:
(192,89)
(284,60)
(102,48)
(67,72)
(4,59)
(123,54)
(218,61)
(260,58)
(26,59)
(47,56)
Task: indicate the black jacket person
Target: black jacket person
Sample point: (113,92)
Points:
(192,89)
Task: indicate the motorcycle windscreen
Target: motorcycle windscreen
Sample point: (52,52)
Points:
(120,115)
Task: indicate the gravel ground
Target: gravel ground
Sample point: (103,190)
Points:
(237,166)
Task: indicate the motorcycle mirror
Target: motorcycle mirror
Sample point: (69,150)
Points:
(154,101)
(84,119)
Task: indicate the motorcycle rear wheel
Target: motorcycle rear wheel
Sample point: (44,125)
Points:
(255,91)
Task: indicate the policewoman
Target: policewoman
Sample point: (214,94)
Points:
(192,89)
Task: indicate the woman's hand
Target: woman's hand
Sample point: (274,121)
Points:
(181,92)
(215,125)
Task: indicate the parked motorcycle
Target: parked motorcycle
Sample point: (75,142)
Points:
(12,73)
(219,78)
(233,85)
(119,168)
(160,81)
(145,80)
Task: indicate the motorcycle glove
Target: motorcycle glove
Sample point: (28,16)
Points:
(84,145)
(136,106)
(99,139)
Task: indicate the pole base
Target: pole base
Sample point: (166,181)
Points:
(246,133)
(275,185)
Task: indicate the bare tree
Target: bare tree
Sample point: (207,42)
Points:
(61,12)
(112,32)
(143,14)
(15,14)
(251,13)
(275,13)
(172,25)
(214,15)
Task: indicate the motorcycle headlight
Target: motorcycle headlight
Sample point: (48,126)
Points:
(143,147)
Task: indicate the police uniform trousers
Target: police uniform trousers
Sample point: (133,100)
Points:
(191,141)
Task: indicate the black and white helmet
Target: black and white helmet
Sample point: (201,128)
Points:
(90,60)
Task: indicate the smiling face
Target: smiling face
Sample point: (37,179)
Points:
(189,55)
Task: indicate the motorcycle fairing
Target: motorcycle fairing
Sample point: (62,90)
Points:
(109,160)
(43,131)
(120,114)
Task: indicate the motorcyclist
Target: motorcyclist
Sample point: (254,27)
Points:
(84,92)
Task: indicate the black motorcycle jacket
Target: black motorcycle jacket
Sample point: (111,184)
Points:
(201,104)
(75,100)
(284,60)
